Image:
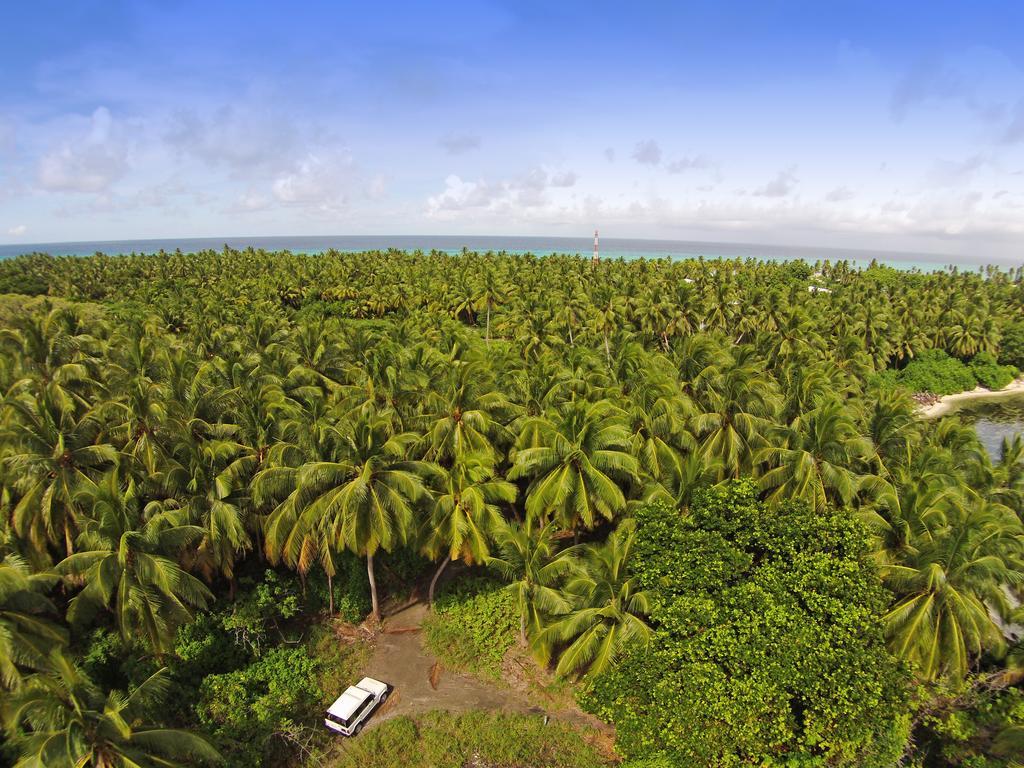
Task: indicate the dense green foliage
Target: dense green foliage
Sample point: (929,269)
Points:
(936,372)
(767,643)
(172,426)
(472,626)
(1011,345)
(990,373)
(442,740)
(245,708)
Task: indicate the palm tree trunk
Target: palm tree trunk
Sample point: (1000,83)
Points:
(522,627)
(433,582)
(487,338)
(607,349)
(330,593)
(373,588)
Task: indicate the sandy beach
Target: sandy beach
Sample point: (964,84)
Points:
(948,403)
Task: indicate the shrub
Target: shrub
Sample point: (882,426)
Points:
(1011,345)
(244,709)
(473,624)
(351,589)
(768,647)
(990,373)
(935,371)
(260,608)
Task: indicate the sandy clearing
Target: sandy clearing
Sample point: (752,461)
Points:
(948,403)
(401,660)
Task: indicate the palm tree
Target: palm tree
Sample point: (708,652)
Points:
(128,563)
(681,480)
(56,353)
(59,718)
(200,483)
(366,498)
(27,633)
(657,412)
(464,417)
(55,451)
(529,559)
(815,459)
(573,460)
(606,609)
(465,513)
(737,406)
(490,293)
(946,587)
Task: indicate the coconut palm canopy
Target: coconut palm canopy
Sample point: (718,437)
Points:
(172,422)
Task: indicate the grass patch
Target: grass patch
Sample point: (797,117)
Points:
(340,661)
(472,626)
(479,739)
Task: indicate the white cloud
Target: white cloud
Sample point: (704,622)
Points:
(564,179)
(457,145)
(249,141)
(523,194)
(647,152)
(318,182)
(780,186)
(17,231)
(88,163)
(839,195)
(946,173)
(695,163)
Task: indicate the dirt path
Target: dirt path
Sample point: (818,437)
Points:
(401,660)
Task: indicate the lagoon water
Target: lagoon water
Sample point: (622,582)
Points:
(994,421)
(610,248)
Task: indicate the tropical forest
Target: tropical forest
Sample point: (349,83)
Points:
(655,513)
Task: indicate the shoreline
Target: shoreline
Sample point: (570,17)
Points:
(946,403)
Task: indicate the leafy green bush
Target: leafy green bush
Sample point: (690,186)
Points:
(260,608)
(1011,345)
(444,740)
(244,709)
(351,589)
(768,647)
(473,624)
(935,371)
(969,736)
(990,373)
(203,648)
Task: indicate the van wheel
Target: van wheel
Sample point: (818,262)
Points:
(357,730)
(383,697)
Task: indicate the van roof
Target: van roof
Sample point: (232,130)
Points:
(346,704)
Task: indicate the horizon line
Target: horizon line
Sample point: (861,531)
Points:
(581,238)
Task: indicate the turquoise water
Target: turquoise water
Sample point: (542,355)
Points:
(612,248)
(995,420)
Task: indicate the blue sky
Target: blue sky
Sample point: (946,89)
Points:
(851,124)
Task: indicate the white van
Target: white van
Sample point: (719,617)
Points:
(350,710)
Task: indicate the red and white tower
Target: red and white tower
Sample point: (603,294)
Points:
(597,256)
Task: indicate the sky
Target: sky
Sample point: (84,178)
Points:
(873,125)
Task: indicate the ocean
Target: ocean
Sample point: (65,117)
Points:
(611,248)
